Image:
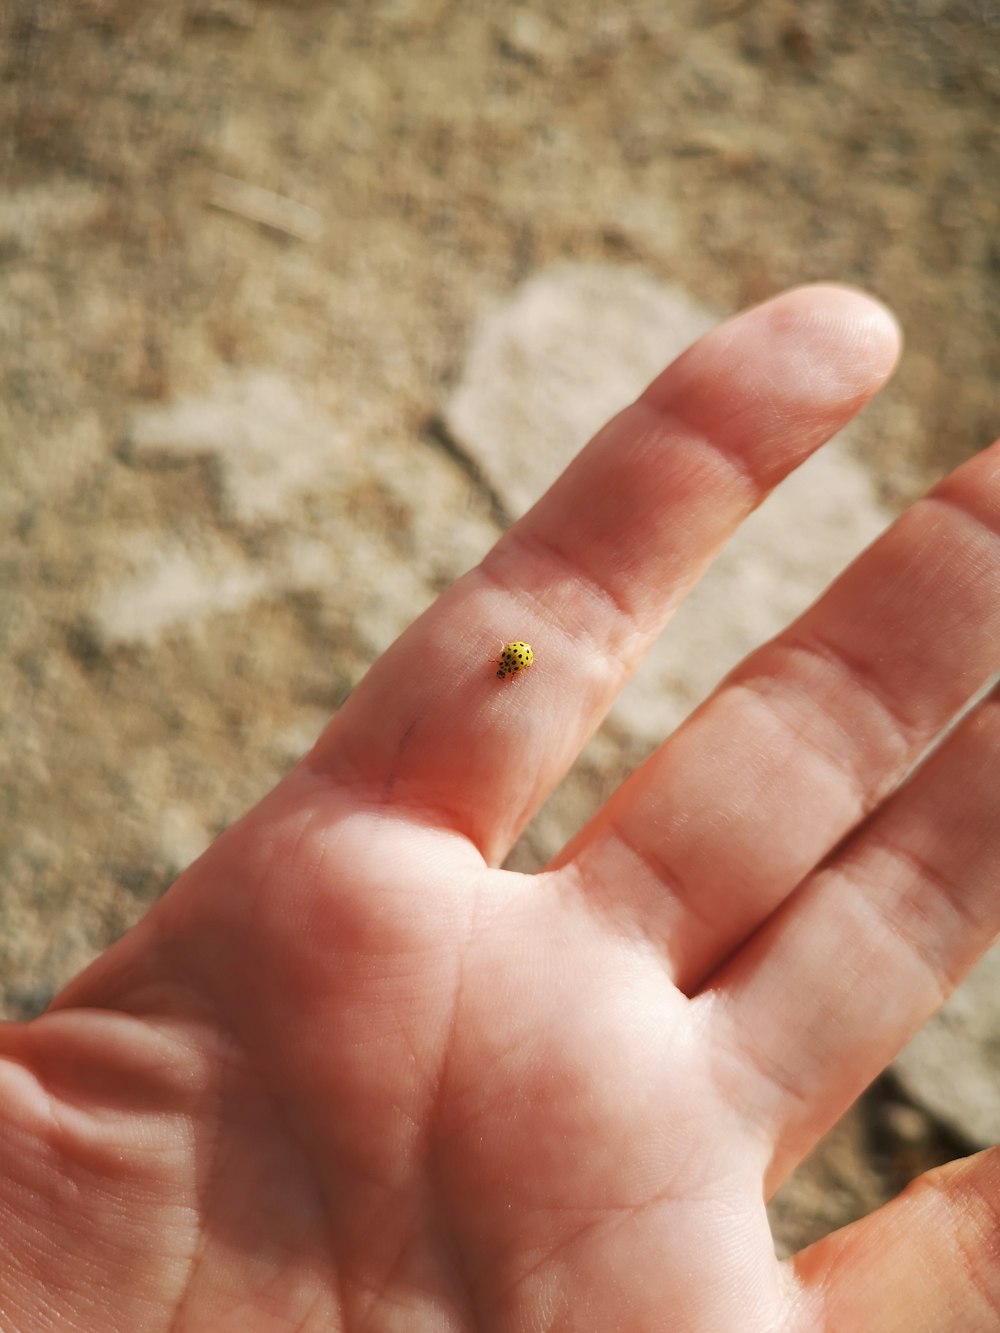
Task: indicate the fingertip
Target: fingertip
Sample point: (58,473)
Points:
(817,352)
(844,326)
(872,325)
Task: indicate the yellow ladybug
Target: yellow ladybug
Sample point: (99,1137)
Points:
(514,658)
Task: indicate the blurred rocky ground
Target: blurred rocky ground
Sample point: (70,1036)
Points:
(302,302)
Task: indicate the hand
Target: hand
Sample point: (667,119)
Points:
(347,1074)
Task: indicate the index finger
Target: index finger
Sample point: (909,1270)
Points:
(590,575)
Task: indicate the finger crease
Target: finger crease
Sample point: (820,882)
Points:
(929,892)
(901,733)
(762,690)
(730,456)
(616,608)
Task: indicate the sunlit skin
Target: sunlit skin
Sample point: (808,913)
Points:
(350,1074)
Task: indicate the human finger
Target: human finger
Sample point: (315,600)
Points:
(590,575)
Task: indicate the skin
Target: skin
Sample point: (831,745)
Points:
(348,1074)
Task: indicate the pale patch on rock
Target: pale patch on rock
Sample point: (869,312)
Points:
(171,585)
(266,441)
(57,206)
(525,35)
(550,365)
(182,836)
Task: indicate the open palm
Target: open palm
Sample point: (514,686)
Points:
(347,1074)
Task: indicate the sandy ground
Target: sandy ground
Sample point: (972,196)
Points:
(225,223)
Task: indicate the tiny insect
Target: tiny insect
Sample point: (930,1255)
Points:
(515,657)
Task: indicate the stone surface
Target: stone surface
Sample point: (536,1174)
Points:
(267,443)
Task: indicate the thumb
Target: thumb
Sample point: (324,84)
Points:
(928,1262)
